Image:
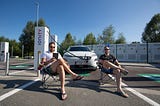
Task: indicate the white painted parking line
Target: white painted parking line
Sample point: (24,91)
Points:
(16,72)
(20,71)
(6,95)
(148,100)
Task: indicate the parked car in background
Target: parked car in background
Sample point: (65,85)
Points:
(81,57)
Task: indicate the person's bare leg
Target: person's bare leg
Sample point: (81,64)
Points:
(61,72)
(55,65)
(111,65)
(66,68)
(118,79)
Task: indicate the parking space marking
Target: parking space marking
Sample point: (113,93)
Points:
(148,91)
(155,77)
(10,93)
(148,100)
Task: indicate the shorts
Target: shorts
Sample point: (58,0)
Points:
(108,71)
(49,71)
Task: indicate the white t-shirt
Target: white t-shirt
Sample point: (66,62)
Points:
(48,55)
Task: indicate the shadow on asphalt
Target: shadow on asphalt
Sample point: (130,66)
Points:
(136,79)
(13,83)
(22,75)
(89,84)
(53,89)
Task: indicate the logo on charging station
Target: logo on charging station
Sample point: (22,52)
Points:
(39,36)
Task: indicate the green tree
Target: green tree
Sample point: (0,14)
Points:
(152,30)
(121,39)
(69,41)
(41,22)
(107,35)
(3,39)
(99,39)
(89,39)
(14,48)
(27,37)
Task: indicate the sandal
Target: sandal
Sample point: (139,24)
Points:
(78,78)
(64,96)
(122,94)
(125,72)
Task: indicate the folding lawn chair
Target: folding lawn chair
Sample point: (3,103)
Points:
(46,75)
(105,77)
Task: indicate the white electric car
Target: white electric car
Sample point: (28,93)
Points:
(81,57)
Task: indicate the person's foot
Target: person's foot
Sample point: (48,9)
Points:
(121,93)
(63,96)
(124,72)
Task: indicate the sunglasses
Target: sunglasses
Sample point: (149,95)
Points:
(52,46)
(106,49)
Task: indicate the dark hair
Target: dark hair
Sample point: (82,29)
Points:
(51,43)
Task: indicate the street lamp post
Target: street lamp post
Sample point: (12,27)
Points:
(37,11)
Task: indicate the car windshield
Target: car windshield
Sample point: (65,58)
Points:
(79,49)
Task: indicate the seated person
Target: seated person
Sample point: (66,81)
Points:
(110,65)
(57,65)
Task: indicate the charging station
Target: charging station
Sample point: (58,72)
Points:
(40,43)
(4,49)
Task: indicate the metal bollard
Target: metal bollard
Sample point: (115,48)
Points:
(38,71)
(7,64)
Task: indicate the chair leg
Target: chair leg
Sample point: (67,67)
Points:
(106,78)
(44,79)
(112,77)
(101,78)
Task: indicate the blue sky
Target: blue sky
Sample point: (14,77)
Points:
(79,17)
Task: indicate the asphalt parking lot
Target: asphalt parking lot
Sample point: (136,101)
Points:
(23,87)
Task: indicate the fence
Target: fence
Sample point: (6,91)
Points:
(145,52)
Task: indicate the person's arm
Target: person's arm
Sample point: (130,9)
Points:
(117,63)
(109,64)
(45,62)
(100,61)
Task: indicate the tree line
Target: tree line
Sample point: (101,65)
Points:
(151,34)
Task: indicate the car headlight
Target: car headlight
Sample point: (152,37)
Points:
(94,55)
